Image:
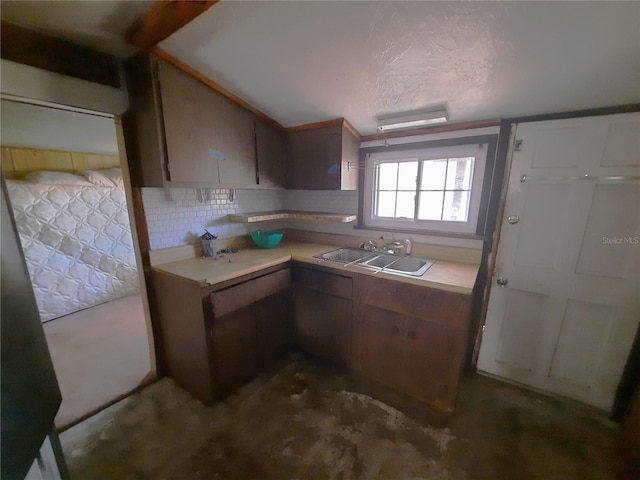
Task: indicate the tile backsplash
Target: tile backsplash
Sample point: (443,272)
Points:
(178,216)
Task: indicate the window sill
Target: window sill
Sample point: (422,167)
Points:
(469,236)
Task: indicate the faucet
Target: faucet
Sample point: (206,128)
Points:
(394,247)
(369,245)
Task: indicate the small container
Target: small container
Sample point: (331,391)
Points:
(208,243)
(266,239)
(208,248)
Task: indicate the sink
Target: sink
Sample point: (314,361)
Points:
(379,261)
(410,266)
(346,255)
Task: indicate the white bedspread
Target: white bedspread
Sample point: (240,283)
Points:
(76,239)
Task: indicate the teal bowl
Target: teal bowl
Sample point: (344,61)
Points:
(266,239)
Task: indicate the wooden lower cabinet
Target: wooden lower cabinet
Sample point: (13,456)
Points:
(411,338)
(234,342)
(274,327)
(216,340)
(323,312)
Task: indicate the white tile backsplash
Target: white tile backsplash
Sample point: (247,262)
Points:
(178,216)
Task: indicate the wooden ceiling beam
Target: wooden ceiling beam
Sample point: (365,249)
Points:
(163,19)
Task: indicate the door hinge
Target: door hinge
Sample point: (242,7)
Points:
(518,146)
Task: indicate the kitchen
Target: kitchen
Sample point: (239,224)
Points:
(230,182)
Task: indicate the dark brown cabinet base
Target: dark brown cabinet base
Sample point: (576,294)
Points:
(411,338)
(323,312)
(216,339)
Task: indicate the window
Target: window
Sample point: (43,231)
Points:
(431,189)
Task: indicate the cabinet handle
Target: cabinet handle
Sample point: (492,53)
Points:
(411,335)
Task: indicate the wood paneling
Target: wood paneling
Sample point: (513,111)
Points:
(163,19)
(18,161)
(43,51)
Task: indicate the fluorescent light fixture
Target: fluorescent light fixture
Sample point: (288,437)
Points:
(433,117)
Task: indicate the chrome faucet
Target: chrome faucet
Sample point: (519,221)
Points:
(369,245)
(394,247)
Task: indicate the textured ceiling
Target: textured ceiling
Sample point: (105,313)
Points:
(306,61)
(302,62)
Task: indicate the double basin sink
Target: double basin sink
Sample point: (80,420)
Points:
(380,261)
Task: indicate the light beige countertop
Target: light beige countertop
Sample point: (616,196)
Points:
(443,274)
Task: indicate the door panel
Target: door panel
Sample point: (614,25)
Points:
(571,261)
(521,330)
(542,225)
(622,138)
(584,326)
(610,231)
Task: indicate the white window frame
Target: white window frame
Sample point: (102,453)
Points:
(479,151)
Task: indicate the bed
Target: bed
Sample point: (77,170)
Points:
(76,238)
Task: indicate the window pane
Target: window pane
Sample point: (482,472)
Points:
(406,204)
(456,206)
(386,204)
(460,173)
(388,175)
(407,176)
(430,207)
(433,173)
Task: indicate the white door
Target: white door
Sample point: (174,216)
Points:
(566,318)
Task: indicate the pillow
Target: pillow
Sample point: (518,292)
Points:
(109,177)
(56,178)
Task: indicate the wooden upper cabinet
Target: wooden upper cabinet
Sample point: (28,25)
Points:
(323,157)
(186,133)
(271,153)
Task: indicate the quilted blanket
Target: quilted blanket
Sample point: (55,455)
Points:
(76,238)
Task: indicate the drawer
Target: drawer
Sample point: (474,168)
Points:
(238,296)
(433,305)
(328,283)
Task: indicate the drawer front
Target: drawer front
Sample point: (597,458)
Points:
(433,305)
(236,297)
(325,282)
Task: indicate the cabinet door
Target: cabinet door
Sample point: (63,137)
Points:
(315,159)
(323,325)
(235,347)
(209,139)
(380,344)
(189,120)
(271,153)
(234,139)
(274,328)
(433,354)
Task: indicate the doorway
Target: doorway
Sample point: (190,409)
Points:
(75,229)
(564,308)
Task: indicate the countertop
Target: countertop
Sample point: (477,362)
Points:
(444,275)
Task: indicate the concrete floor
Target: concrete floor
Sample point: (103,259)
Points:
(306,421)
(98,354)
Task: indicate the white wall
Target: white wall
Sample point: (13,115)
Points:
(37,126)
